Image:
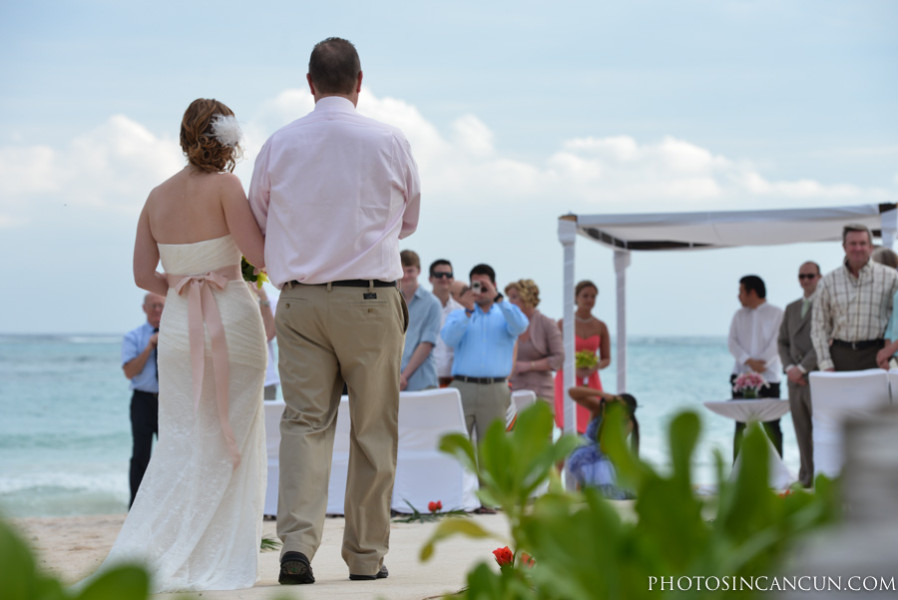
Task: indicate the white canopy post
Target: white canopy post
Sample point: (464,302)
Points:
(567,235)
(621,262)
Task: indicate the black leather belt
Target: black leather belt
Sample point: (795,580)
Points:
(352,283)
(479,379)
(861,345)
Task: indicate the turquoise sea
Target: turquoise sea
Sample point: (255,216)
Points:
(65,436)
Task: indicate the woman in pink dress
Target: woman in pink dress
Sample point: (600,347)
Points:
(590,335)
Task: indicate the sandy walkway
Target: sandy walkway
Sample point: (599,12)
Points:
(73,547)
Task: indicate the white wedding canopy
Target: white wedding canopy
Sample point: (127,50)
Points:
(695,231)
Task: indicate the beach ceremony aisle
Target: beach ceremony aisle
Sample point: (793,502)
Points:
(72,547)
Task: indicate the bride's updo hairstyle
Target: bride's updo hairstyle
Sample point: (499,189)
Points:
(210,136)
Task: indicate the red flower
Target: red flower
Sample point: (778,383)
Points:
(786,493)
(527,560)
(503,556)
(435,506)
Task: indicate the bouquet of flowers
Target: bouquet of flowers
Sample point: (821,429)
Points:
(585,359)
(250,274)
(749,384)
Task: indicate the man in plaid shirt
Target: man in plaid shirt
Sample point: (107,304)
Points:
(853,306)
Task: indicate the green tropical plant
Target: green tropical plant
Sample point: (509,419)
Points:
(583,549)
(20,579)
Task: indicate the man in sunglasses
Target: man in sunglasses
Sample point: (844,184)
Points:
(442,278)
(799,358)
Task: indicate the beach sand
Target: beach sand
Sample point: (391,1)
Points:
(72,547)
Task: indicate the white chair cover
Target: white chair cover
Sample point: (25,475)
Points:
(521,399)
(423,473)
(893,385)
(273,412)
(836,396)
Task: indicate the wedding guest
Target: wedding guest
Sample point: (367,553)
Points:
(418,369)
(442,279)
(754,332)
(885,256)
(483,339)
(588,464)
(540,349)
(462,293)
(140,366)
(591,337)
(799,359)
(853,306)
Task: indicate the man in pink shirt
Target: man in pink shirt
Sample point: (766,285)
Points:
(334,192)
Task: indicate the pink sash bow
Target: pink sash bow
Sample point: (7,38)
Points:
(202,309)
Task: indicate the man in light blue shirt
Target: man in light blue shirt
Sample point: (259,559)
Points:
(418,370)
(483,340)
(139,365)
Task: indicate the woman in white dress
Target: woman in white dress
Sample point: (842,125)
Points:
(196,520)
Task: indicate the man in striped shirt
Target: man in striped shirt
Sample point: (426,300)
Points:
(853,307)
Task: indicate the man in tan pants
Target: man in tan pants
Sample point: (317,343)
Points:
(334,192)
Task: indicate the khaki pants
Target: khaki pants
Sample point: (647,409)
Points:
(328,337)
(482,404)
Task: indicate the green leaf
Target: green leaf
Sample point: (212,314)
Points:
(454,526)
(19,576)
(126,582)
(684,432)
(459,445)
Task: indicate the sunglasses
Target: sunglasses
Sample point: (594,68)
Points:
(807,275)
(442,275)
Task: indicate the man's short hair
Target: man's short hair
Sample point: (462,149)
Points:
(483,269)
(753,282)
(409,258)
(334,66)
(856,227)
(885,256)
(439,262)
(811,262)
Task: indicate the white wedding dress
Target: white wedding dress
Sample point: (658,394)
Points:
(196,522)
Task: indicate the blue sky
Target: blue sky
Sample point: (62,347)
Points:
(517,112)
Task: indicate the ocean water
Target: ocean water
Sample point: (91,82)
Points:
(65,437)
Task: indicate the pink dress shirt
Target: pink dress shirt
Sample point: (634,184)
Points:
(334,192)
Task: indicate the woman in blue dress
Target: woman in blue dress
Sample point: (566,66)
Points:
(588,464)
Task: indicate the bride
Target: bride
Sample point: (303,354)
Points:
(196,520)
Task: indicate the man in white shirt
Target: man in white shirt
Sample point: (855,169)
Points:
(753,344)
(441,278)
(334,192)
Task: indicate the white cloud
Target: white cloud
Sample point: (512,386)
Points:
(473,136)
(111,168)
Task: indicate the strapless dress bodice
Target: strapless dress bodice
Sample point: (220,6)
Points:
(199,257)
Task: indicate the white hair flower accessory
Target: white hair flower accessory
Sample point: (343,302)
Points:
(226,130)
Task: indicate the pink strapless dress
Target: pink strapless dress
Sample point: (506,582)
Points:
(590,344)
